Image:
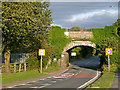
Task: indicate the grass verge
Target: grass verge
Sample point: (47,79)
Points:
(105,81)
(13,77)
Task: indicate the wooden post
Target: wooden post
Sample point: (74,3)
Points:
(14,67)
(24,66)
(20,67)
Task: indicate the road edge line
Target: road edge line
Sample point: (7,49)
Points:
(89,81)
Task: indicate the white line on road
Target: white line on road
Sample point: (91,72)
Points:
(46,84)
(53,81)
(42,86)
(26,84)
(10,87)
(88,81)
(34,87)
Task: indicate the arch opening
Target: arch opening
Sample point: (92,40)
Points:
(85,45)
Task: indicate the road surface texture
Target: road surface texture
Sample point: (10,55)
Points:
(72,78)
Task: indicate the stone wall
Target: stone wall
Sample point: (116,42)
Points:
(81,34)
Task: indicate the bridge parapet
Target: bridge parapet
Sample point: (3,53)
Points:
(81,34)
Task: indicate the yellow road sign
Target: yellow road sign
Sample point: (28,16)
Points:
(108,51)
(41,52)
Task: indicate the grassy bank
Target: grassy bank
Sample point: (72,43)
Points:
(105,81)
(13,77)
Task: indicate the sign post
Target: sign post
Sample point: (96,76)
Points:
(41,53)
(108,52)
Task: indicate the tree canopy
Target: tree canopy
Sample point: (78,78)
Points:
(25,25)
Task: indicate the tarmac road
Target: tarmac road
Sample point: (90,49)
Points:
(72,78)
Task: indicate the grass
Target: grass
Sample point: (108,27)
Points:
(105,81)
(13,77)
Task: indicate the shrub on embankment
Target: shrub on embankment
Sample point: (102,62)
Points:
(107,37)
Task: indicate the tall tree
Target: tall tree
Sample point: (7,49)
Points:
(24,24)
(117,24)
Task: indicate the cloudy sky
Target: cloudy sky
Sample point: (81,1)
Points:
(84,14)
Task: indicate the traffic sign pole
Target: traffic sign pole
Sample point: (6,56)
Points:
(41,53)
(108,63)
(41,65)
(108,52)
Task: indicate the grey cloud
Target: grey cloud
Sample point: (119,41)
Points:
(64,10)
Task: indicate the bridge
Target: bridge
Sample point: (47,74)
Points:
(83,35)
(77,33)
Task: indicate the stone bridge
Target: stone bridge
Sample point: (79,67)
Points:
(86,34)
(77,33)
(79,43)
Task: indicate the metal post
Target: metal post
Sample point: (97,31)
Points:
(61,62)
(41,65)
(108,63)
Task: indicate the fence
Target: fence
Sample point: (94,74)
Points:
(15,67)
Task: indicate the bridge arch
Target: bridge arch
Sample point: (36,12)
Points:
(65,54)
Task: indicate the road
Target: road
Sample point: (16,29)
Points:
(72,78)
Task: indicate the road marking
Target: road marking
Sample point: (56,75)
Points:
(53,81)
(26,84)
(34,87)
(23,84)
(10,87)
(88,81)
(46,84)
(42,86)
(65,75)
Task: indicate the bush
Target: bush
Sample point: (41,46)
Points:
(106,38)
(113,68)
(33,62)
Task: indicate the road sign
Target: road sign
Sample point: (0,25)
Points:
(73,54)
(108,51)
(41,52)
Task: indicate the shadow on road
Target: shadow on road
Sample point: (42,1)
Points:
(90,63)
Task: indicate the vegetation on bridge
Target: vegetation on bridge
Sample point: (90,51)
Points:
(57,40)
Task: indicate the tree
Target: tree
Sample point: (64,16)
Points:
(75,27)
(25,25)
(117,24)
(57,40)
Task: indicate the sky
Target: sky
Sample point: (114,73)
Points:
(84,14)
